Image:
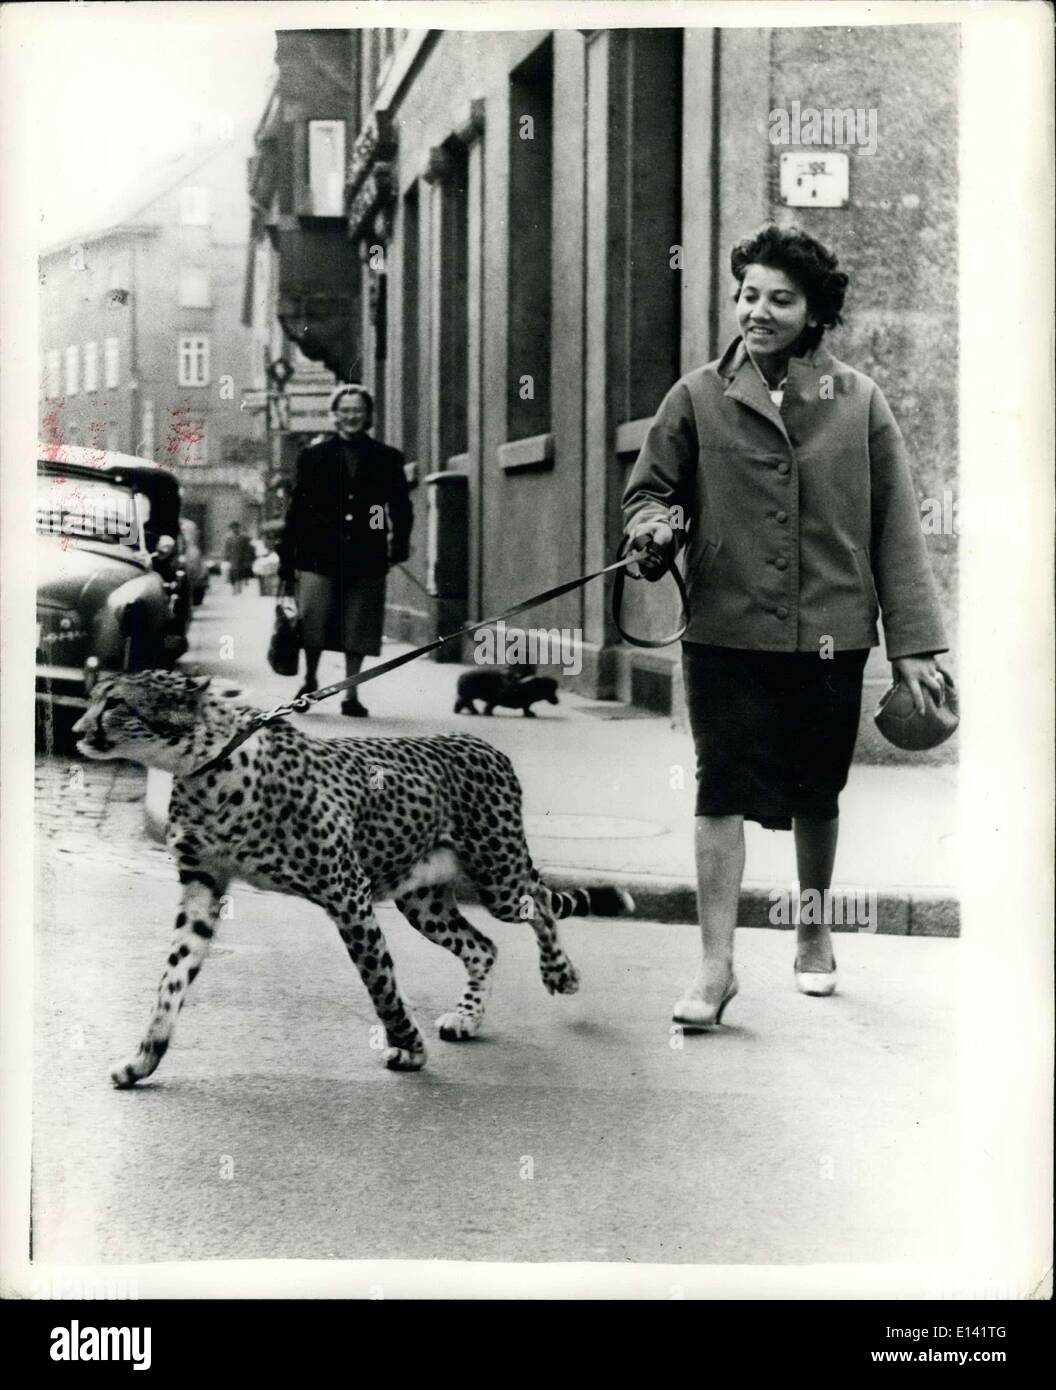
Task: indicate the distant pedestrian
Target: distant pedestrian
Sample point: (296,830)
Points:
(349,518)
(239,554)
(784,474)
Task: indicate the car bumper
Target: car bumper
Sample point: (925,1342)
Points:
(66,686)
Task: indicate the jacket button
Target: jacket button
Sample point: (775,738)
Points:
(348,516)
(781,563)
(782,468)
(782,517)
(781,613)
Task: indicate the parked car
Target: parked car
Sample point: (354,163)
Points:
(111,592)
(193,560)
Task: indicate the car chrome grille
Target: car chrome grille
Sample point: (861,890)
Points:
(61,640)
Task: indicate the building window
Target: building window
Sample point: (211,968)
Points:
(196,452)
(91,366)
(454,303)
(530,202)
(73,364)
(146,443)
(410,322)
(194,206)
(371,62)
(193,355)
(112,362)
(390,39)
(652,287)
(326,167)
(53,374)
(118,276)
(194,287)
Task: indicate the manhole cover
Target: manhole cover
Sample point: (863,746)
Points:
(591,828)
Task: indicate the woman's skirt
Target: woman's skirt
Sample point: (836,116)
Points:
(341,616)
(774,731)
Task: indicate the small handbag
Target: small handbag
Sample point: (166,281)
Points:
(284,649)
(897,718)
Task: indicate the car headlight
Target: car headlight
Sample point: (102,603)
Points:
(56,630)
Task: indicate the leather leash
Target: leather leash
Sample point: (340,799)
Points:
(301,703)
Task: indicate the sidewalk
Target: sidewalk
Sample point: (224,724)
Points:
(608,789)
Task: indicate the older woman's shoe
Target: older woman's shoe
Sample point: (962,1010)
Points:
(693,1011)
(354,709)
(818,983)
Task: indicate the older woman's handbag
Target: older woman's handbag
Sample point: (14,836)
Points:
(897,718)
(284,649)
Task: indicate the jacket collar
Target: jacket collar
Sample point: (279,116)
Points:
(745,383)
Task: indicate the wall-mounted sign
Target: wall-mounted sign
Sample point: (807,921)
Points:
(810,179)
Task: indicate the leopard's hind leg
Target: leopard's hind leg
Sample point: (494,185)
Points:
(521,897)
(350,901)
(433,910)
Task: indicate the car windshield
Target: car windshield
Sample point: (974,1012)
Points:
(85,509)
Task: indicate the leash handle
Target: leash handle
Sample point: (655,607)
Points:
(617,600)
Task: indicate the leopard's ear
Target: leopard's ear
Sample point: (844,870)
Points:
(197,685)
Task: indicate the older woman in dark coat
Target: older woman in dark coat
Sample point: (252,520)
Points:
(349,518)
(784,474)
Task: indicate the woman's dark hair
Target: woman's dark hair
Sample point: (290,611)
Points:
(811,265)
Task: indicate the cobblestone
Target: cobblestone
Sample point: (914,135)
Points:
(93,808)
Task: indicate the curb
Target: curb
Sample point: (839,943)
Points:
(909,912)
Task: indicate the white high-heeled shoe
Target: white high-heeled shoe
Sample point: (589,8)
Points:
(818,983)
(693,1011)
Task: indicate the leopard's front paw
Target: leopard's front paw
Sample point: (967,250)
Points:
(561,978)
(455,1026)
(124,1075)
(141,1065)
(404,1058)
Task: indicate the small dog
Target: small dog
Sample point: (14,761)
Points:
(505,687)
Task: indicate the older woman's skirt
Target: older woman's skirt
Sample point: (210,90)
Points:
(774,731)
(341,616)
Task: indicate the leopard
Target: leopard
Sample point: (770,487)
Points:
(341,823)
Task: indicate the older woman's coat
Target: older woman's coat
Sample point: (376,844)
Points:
(801,523)
(340,527)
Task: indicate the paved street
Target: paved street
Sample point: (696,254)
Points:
(807,1130)
(575,1129)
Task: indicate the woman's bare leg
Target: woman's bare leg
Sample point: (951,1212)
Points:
(719,846)
(815,856)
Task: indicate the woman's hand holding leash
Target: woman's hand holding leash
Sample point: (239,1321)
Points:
(915,671)
(656,541)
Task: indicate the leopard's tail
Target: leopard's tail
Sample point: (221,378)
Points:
(605,901)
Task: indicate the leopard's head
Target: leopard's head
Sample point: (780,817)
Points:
(147,718)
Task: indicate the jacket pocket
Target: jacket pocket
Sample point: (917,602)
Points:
(865,576)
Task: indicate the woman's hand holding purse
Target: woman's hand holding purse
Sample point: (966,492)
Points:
(915,671)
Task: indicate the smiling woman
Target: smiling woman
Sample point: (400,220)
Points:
(783,473)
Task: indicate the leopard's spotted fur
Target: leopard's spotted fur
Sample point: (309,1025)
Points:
(339,822)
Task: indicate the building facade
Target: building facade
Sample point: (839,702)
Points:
(533,244)
(143,341)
